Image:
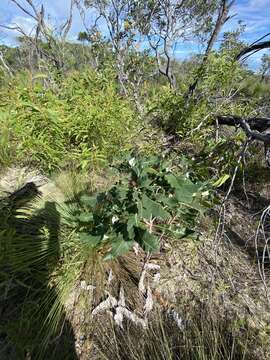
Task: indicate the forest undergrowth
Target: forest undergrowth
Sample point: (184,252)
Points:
(134,192)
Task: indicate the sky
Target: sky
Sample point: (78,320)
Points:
(254,13)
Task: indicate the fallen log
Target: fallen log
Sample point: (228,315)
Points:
(255,123)
(256,128)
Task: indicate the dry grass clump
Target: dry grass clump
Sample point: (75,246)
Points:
(219,283)
(206,302)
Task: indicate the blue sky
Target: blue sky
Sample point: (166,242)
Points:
(254,13)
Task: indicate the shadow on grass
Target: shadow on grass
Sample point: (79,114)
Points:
(29,254)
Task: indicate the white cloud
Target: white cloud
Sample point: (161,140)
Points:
(255,13)
(258,4)
(26,24)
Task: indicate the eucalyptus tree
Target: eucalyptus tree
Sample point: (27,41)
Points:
(4,66)
(221,14)
(46,44)
(232,42)
(116,23)
(159,24)
(166,23)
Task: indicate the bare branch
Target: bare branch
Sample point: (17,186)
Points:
(250,126)
(67,25)
(253,48)
(35,17)
(4,64)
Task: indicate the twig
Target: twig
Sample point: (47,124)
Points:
(222,212)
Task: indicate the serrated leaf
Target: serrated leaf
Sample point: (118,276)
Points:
(149,208)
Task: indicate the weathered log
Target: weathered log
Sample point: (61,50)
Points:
(256,128)
(260,124)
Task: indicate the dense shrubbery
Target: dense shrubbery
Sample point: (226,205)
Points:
(83,122)
(219,79)
(224,87)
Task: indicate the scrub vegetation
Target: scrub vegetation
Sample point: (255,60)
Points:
(134,187)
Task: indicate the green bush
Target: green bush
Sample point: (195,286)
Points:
(47,246)
(84,122)
(137,208)
(219,91)
(217,82)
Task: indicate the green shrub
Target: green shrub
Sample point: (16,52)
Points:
(47,246)
(219,91)
(85,122)
(137,208)
(217,82)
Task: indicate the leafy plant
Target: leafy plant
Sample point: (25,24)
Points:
(83,124)
(137,208)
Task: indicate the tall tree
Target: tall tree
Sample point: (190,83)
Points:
(168,22)
(118,22)
(223,9)
(44,42)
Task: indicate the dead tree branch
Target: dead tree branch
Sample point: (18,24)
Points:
(5,66)
(257,128)
(253,48)
(254,128)
(44,32)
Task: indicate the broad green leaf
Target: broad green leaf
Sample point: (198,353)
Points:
(145,181)
(130,227)
(172,181)
(122,192)
(91,240)
(150,208)
(181,232)
(149,241)
(196,205)
(88,200)
(85,217)
(177,181)
(118,247)
(186,193)
(150,170)
(168,200)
